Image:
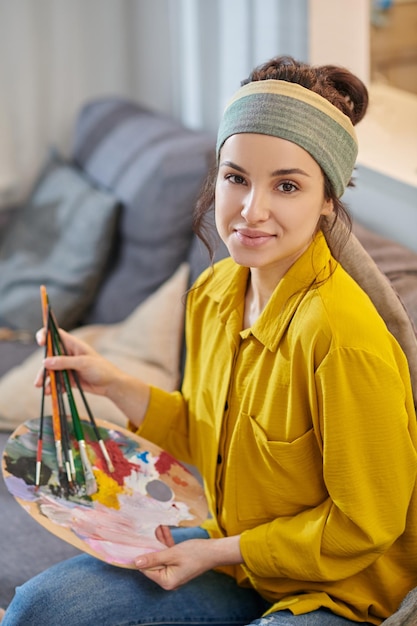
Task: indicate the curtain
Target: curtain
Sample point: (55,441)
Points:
(55,54)
(217,43)
(181,57)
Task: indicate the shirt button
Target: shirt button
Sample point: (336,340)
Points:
(219,458)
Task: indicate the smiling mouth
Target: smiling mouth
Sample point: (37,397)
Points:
(253,239)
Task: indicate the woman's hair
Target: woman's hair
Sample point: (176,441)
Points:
(338,85)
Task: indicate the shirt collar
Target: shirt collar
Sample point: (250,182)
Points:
(229,291)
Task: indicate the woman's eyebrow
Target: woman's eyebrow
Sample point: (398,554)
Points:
(279,172)
(289,171)
(233,165)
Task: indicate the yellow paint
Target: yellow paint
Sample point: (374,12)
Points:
(107,490)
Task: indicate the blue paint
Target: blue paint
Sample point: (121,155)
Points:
(143,456)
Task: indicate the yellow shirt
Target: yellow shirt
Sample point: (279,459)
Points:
(304,430)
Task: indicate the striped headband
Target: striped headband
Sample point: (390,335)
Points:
(292,112)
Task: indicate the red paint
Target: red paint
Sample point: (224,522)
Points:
(164,463)
(122,467)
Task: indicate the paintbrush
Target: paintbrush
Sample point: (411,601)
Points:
(84,399)
(90,481)
(68,456)
(41,420)
(66,442)
(54,393)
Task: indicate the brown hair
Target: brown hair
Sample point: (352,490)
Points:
(338,85)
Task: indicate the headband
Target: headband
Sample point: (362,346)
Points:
(292,112)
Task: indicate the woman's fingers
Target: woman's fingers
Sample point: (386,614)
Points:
(163,534)
(73,345)
(41,336)
(92,371)
(38,382)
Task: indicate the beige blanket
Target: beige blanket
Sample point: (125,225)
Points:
(406,614)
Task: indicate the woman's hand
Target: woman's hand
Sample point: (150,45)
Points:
(97,375)
(182,562)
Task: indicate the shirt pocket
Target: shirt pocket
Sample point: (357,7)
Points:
(276,478)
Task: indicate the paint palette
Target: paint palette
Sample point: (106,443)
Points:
(148,487)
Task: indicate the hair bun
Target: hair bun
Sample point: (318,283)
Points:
(350,87)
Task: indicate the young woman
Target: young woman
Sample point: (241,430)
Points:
(296,405)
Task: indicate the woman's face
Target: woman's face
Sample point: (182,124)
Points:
(269,197)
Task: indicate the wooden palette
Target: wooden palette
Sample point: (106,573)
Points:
(116,524)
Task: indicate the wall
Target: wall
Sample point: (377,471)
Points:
(385,197)
(339,34)
(393,45)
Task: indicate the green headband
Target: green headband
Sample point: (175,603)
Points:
(292,112)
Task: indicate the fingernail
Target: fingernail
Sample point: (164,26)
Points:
(140,562)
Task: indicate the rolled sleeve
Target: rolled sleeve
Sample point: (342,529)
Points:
(166,422)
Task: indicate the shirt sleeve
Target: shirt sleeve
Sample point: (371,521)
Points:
(166,423)
(368,430)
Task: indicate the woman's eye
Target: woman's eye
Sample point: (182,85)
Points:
(235,178)
(287,187)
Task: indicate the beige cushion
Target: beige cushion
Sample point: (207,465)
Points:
(147,345)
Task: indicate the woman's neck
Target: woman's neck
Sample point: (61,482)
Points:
(258,293)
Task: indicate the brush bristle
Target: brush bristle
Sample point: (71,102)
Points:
(90,486)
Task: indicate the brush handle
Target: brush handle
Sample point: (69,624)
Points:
(54,392)
(78,430)
(90,481)
(55,327)
(60,345)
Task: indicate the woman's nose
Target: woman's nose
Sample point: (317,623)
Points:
(255,207)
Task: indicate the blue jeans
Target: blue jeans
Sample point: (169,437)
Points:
(84,591)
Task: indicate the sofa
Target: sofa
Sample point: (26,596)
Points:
(109,232)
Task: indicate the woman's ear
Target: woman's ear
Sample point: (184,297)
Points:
(328,207)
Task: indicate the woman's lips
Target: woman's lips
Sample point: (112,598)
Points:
(252,238)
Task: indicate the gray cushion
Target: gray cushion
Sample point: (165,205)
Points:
(156,167)
(62,238)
